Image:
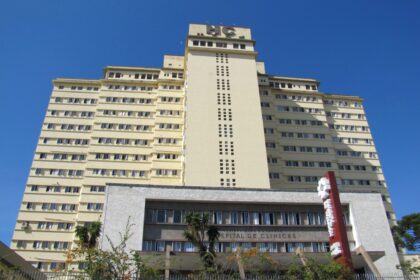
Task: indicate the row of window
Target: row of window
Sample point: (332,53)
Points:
(119,172)
(58,172)
(349,140)
(160,156)
(65,207)
(173,75)
(55,189)
(349,153)
(73,114)
(66,189)
(301,122)
(74,100)
(142,76)
(123,141)
(337,115)
(64,141)
(341,103)
(224,247)
(305,149)
(128,100)
(345,182)
(302,98)
(120,126)
(353,128)
(141,114)
(45,245)
(88,88)
(116,126)
(169,112)
(137,88)
(68,127)
(59,156)
(301,149)
(95,206)
(295,163)
(351,167)
(178,216)
(141,142)
(133,173)
(169,99)
(309,149)
(170,87)
(48,225)
(290,85)
(299,179)
(211,44)
(108,156)
(53,266)
(296,109)
(352,182)
(302,135)
(52,206)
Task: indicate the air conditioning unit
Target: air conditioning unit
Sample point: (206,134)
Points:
(25,225)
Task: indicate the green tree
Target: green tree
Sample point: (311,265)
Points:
(198,232)
(117,263)
(88,234)
(408,268)
(407,232)
(312,270)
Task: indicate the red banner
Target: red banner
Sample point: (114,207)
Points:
(339,244)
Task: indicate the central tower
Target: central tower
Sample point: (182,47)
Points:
(224,142)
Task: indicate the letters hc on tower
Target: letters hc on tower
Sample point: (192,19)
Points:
(216,30)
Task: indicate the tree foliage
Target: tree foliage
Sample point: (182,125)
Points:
(318,271)
(409,268)
(407,232)
(88,234)
(203,236)
(117,263)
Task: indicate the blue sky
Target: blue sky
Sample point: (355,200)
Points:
(357,47)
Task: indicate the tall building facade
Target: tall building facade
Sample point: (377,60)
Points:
(210,118)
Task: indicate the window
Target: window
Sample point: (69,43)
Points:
(177,246)
(161,216)
(255,218)
(189,247)
(160,246)
(245,218)
(268,218)
(20,244)
(177,217)
(30,206)
(217,217)
(233,218)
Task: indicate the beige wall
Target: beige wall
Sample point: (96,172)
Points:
(205,132)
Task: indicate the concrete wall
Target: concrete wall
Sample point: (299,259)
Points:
(367,213)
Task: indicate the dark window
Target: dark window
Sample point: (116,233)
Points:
(177,216)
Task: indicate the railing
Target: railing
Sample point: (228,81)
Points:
(19,275)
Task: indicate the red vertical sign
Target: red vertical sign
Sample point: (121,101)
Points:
(339,244)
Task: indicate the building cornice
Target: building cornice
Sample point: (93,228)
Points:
(283,189)
(253,53)
(75,81)
(222,39)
